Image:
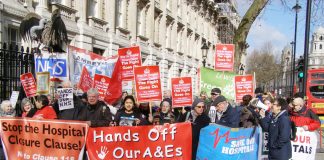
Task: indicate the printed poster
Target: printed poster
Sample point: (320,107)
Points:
(224,58)
(101,83)
(29,84)
(304,146)
(181,91)
(43,79)
(65,100)
(243,86)
(129,58)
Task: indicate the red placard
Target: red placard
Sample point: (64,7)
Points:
(129,58)
(29,84)
(224,58)
(148,83)
(43,139)
(101,83)
(181,91)
(243,86)
(171,141)
(86,81)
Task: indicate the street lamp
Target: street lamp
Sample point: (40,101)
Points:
(292,69)
(204,50)
(296,8)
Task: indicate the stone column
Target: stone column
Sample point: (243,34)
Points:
(42,8)
(163,64)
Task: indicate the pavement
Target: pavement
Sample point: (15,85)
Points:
(319,156)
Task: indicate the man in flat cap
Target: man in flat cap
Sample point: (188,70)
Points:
(210,108)
(226,115)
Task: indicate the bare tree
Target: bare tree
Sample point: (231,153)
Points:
(264,64)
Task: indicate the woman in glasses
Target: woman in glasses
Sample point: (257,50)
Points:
(198,119)
(278,126)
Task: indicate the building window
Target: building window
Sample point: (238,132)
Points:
(141,20)
(320,47)
(321,38)
(119,13)
(179,8)
(314,46)
(13,36)
(98,51)
(92,8)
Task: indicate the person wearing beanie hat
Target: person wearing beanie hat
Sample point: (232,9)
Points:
(198,119)
(226,115)
(210,109)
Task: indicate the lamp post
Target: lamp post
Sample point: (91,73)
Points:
(204,50)
(306,44)
(296,8)
(292,69)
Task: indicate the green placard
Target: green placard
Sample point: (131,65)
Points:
(210,79)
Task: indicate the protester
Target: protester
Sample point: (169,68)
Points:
(211,110)
(167,94)
(7,110)
(303,116)
(129,115)
(258,93)
(96,112)
(120,103)
(165,114)
(268,101)
(27,108)
(198,119)
(44,111)
(204,97)
(226,115)
(279,128)
(71,113)
(84,98)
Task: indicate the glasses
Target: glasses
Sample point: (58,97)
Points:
(200,106)
(214,94)
(275,104)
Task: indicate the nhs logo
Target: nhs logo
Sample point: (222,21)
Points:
(56,66)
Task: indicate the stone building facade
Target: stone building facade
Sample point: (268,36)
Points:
(170,33)
(316,55)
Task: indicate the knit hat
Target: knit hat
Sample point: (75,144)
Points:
(196,102)
(216,90)
(218,100)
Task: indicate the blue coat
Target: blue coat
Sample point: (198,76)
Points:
(279,136)
(230,118)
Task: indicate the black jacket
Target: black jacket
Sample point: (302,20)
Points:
(279,128)
(230,118)
(98,114)
(200,122)
(69,114)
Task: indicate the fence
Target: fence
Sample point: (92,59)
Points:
(14,61)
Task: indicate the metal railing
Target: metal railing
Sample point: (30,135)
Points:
(14,61)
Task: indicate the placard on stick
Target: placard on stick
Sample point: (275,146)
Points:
(65,100)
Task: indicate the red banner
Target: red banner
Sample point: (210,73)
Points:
(181,91)
(243,86)
(129,58)
(43,139)
(29,84)
(171,141)
(148,83)
(224,58)
(101,83)
(86,81)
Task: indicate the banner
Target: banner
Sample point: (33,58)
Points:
(129,58)
(264,146)
(86,81)
(43,79)
(210,79)
(29,84)
(101,83)
(224,58)
(181,91)
(304,146)
(95,64)
(220,142)
(65,100)
(14,98)
(243,86)
(43,139)
(54,63)
(148,83)
(171,141)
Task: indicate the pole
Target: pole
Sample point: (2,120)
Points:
(306,44)
(295,42)
(291,70)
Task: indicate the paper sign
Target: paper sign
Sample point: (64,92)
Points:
(181,91)
(148,83)
(129,58)
(243,86)
(101,83)
(43,79)
(29,84)
(14,98)
(65,100)
(224,58)
(304,146)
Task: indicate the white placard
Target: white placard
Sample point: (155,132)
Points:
(65,100)
(304,146)
(14,98)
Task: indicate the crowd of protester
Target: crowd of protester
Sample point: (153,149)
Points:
(278,120)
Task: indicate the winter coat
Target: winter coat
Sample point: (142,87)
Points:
(200,122)
(305,117)
(247,118)
(47,112)
(70,114)
(230,118)
(99,114)
(279,128)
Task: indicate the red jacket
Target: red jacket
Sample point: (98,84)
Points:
(305,117)
(46,112)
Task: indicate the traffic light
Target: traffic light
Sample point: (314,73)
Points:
(300,68)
